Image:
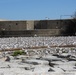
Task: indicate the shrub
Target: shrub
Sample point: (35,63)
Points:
(16,53)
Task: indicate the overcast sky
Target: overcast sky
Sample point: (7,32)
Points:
(36,9)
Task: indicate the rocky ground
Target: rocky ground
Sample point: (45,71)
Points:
(43,61)
(43,56)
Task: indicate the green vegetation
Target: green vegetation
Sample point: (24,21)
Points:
(16,53)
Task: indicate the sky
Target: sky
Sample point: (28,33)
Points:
(36,9)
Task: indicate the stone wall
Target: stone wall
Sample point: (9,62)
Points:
(13,25)
(32,33)
(30,25)
(38,27)
(40,24)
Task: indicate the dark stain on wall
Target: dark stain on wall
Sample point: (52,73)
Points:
(69,28)
(42,24)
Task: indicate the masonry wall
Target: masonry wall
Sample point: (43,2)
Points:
(13,25)
(29,25)
(40,24)
(32,33)
(38,27)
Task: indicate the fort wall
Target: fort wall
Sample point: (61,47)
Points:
(38,27)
